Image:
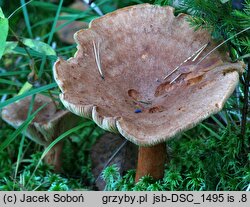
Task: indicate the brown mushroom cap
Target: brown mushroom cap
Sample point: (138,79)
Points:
(48,123)
(139,46)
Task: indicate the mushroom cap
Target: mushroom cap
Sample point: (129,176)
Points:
(48,123)
(138,47)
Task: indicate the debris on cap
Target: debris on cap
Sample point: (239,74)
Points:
(138,111)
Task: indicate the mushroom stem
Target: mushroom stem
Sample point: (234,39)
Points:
(53,157)
(151,161)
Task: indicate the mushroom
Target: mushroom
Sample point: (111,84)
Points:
(111,149)
(139,72)
(45,127)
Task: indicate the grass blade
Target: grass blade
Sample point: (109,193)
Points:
(7,91)
(9,82)
(26,18)
(55,21)
(31,92)
(218,122)
(19,8)
(12,73)
(20,150)
(41,69)
(211,131)
(47,6)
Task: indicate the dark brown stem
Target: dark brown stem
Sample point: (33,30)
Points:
(53,157)
(151,161)
(245,104)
